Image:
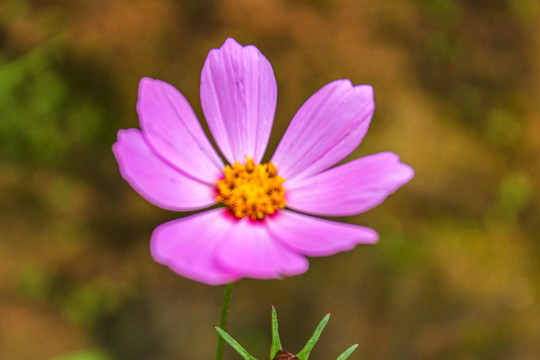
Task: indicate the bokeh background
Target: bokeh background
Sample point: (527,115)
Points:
(456,274)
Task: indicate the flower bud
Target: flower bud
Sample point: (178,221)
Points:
(284,355)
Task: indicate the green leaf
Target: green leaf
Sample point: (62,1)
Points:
(85,355)
(347,352)
(235,345)
(304,353)
(276,342)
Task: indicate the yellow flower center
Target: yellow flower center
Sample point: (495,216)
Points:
(251,190)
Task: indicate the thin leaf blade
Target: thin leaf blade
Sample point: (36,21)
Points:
(234,344)
(347,352)
(276,342)
(304,353)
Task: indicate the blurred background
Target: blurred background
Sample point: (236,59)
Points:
(456,274)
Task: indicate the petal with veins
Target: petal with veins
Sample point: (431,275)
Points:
(156,180)
(238,97)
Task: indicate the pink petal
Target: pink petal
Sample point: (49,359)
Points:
(173,131)
(250,250)
(238,98)
(327,128)
(187,246)
(156,180)
(351,188)
(317,237)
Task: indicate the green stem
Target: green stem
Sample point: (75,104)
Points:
(223,319)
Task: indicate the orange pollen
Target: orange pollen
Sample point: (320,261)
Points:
(251,190)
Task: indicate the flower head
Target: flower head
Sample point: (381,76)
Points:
(260,230)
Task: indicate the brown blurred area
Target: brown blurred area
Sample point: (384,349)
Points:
(456,274)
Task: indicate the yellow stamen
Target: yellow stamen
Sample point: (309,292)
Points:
(251,190)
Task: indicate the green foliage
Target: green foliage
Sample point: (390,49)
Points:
(515,192)
(276,350)
(304,353)
(347,352)
(35,282)
(86,355)
(502,128)
(42,120)
(235,345)
(86,304)
(276,342)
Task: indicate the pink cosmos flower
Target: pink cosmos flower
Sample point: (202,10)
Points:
(260,230)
